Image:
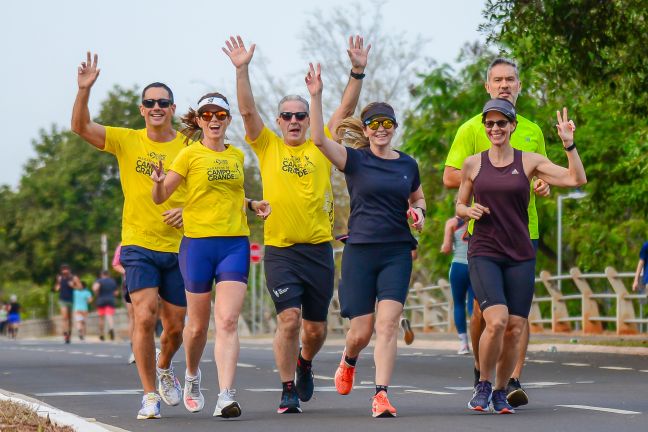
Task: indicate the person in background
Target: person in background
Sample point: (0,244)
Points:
(66,283)
(3,318)
(81,298)
(105,288)
(641,275)
(13,316)
(455,241)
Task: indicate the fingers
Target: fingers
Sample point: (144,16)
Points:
(239,40)
(368,49)
(319,71)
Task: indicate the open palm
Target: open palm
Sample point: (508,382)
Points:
(236,51)
(357,52)
(88,72)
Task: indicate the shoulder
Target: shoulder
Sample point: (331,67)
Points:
(472,161)
(121,132)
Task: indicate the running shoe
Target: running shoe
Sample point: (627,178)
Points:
(344,376)
(380,406)
(481,397)
(150,407)
(464,349)
(131,358)
(226,406)
(500,405)
(304,382)
(169,387)
(289,402)
(407,330)
(193,399)
(515,394)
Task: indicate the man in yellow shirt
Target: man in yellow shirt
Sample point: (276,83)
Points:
(502,81)
(298,255)
(151,233)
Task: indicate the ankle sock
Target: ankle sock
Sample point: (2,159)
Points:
(303,363)
(380,388)
(351,361)
(288,386)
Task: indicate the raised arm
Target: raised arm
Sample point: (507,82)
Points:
(358,55)
(556,175)
(164,184)
(335,152)
(82,124)
(241,58)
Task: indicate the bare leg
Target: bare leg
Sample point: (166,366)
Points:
(145,305)
(359,334)
(510,350)
(522,350)
(313,336)
(286,343)
(227,308)
(195,331)
(490,345)
(387,316)
(477,326)
(173,323)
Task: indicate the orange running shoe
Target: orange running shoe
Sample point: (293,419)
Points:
(380,407)
(344,377)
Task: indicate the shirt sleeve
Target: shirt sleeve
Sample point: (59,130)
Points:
(353,159)
(114,138)
(181,162)
(416,180)
(644,252)
(462,147)
(260,144)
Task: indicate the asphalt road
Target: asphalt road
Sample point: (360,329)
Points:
(430,389)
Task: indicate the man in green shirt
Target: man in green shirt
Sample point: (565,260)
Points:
(502,81)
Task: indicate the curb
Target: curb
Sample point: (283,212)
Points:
(58,416)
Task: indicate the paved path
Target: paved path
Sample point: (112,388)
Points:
(568,391)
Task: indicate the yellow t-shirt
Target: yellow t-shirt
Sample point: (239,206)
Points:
(471,139)
(142,221)
(215,204)
(297,184)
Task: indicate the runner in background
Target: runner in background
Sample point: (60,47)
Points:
(13,316)
(82,298)
(66,283)
(105,289)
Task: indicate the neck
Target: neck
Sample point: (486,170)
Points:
(163,133)
(500,153)
(383,152)
(294,143)
(216,144)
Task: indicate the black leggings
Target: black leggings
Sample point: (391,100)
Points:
(502,281)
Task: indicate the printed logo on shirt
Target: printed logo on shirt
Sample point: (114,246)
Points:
(515,171)
(279,291)
(297,165)
(222,170)
(143,164)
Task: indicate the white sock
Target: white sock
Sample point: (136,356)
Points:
(463,337)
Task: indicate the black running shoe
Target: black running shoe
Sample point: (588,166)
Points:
(500,405)
(477,375)
(289,403)
(481,397)
(515,394)
(304,382)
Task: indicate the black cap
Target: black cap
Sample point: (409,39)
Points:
(379,109)
(503,106)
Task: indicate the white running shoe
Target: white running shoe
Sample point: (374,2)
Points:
(192,397)
(131,358)
(464,349)
(169,386)
(226,406)
(150,407)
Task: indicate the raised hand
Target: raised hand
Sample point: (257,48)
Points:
(236,51)
(88,72)
(476,211)
(314,79)
(157,174)
(565,128)
(262,209)
(358,53)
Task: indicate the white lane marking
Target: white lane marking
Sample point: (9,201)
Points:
(92,393)
(411,354)
(429,392)
(76,352)
(644,370)
(366,382)
(602,409)
(540,361)
(615,368)
(322,377)
(460,388)
(576,364)
(245,365)
(102,355)
(117,356)
(206,361)
(584,382)
(322,388)
(539,384)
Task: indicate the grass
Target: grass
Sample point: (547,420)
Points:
(15,417)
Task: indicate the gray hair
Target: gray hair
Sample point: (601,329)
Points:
(504,61)
(292,98)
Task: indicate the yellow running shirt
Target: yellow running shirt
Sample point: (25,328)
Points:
(142,221)
(471,139)
(215,204)
(297,184)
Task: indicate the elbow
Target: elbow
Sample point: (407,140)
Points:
(76,127)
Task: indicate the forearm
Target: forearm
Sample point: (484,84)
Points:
(461,210)
(244,94)
(80,111)
(576,168)
(160,193)
(317,120)
(639,270)
(420,203)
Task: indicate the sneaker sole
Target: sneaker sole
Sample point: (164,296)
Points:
(409,334)
(230,411)
(384,414)
(166,401)
(195,410)
(504,411)
(149,417)
(477,408)
(517,397)
(289,410)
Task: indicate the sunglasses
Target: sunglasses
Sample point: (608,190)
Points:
(162,103)
(500,124)
(208,115)
(375,124)
(287,116)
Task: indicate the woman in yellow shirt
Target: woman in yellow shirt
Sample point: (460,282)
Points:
(215,246)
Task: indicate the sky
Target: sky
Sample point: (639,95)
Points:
(140,41)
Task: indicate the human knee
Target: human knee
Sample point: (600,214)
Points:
(515,329)
(386,328)
(227,323)
(314,332)
(497,324)
(194,332)
(289,321)
(358,338)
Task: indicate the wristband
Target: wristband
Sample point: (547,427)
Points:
(249,205)
(422,210)
(357,76)
(571,147)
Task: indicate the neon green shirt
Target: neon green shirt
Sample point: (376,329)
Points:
(471,139)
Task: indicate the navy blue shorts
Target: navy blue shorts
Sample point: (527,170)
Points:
(502,281)
(373,271)
(301,276)
(147,268)
(203,260)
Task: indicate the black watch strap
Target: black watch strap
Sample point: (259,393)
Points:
(571,147)
(357,76)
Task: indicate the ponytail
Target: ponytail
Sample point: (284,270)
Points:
(350,132)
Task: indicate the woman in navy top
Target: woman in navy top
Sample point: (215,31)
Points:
(501,258)
(383,184)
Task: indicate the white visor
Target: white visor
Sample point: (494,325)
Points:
(216,101)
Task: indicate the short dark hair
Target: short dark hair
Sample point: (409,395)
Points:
(158,85)
(105,273)
(505,61)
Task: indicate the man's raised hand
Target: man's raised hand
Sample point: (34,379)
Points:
(314,79)
(88,72)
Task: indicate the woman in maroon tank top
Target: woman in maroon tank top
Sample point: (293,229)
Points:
(501,258)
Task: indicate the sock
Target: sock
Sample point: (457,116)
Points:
(463,337)
(350,361)
(380,388)
(288,386)
(303,363)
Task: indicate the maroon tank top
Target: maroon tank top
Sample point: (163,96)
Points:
(505,231)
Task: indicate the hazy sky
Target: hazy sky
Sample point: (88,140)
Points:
(179,43)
